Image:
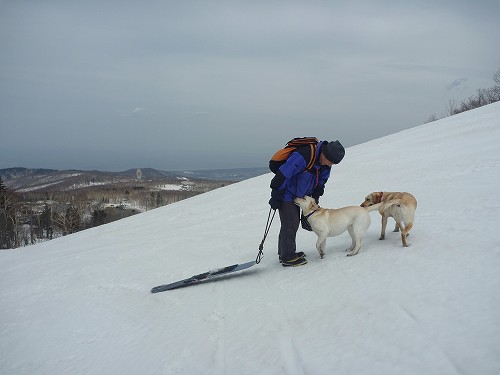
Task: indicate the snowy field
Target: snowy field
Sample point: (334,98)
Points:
(82,305)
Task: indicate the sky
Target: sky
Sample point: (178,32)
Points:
(174,85)
(81,304)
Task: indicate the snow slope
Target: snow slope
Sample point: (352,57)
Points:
(81,304)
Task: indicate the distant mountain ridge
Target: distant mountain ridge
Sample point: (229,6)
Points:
(11,173)
(24,179)
(233,174)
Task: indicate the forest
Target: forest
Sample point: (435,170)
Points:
(29,216)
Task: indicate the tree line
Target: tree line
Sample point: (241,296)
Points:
(32,217)
(481,98)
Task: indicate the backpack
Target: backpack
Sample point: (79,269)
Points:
(280,157)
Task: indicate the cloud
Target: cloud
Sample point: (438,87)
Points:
(457,84)
(133,112)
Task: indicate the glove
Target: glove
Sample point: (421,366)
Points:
(276,198)
(274,203)
(318,192)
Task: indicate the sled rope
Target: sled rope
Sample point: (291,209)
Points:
(270,218)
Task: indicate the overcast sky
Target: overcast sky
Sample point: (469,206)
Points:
(174,85)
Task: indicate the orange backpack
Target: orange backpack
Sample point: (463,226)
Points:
(282,155)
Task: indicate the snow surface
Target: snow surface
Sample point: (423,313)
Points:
(171,187)
(81,304)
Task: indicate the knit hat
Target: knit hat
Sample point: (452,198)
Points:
(334,151)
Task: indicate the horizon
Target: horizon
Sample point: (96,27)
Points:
(134,168)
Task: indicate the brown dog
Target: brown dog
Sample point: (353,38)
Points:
(400,206)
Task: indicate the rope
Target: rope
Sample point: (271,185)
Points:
(260,254)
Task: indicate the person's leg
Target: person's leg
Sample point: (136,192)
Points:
(290,220)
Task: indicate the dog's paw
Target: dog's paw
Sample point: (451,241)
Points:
(353,252)
(381,238)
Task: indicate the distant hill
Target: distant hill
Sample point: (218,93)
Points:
(11,173)
(234,174)
(26,179)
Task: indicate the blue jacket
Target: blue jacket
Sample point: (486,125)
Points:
(292,181)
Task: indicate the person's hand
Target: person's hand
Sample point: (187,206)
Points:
(318,192)
(274,203)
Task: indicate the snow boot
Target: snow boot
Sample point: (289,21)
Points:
(295,262)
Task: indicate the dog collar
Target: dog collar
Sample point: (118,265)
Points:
(380,196)
(307,216)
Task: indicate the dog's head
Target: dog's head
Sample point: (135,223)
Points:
(308,204)
(373,198)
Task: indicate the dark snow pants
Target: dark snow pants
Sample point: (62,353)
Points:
(290,220)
